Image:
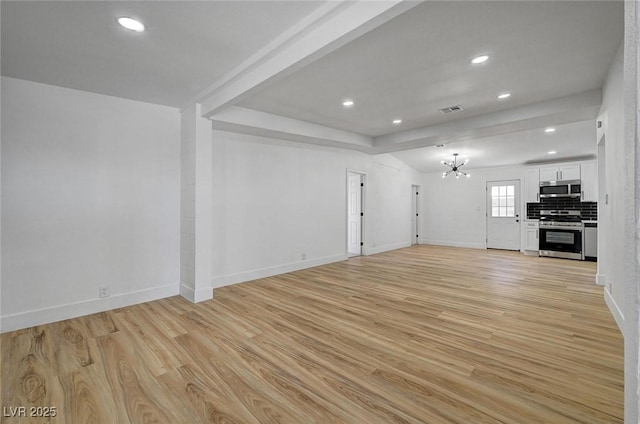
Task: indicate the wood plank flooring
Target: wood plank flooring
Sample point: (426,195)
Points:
(419,335)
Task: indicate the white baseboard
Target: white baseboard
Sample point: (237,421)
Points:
(387,247)
(51,314)
(197,295)
(454,243)
(615,310)
(601,279)
(255,274)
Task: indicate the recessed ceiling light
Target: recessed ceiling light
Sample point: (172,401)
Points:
(504,96)
(549,130)
(397,121)
(348,103)
(131,24)
(479,59)
(552,152)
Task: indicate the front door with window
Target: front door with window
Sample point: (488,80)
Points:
(503,215)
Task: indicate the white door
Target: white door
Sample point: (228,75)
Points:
(354,214)
(415,220)
(503,215)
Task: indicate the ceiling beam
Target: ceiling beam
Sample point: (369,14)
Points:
(330,27)
(564,110)
(248,121)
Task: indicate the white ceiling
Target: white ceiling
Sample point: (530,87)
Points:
(188,45)
(569,141)
(419,62)
(405,64)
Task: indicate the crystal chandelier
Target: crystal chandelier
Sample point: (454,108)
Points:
(455,167)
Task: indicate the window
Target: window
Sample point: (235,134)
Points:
(503,199)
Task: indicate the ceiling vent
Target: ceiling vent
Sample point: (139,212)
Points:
(451,109)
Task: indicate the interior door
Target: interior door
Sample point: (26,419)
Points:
(354,214)
(415,214)
(503,215)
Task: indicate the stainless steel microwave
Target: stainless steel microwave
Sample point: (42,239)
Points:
(570,188)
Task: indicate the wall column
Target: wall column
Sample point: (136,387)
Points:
(632,213)
(196,206)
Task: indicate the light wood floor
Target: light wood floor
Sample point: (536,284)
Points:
(418,335)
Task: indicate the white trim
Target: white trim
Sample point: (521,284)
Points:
(86,307)
(187,292)
(601,279)
(196,296)
(255,274)
(471,245)
(615,311)
(387,247)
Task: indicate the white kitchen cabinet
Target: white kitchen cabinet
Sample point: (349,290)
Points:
(589,174)
(532,185)
(531,236)
(558,173)
(570,172)
(549,173)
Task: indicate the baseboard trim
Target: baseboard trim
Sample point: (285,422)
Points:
(618,316)
(387,247)
(42,316)
(454,243)
(601,279)
(256,274)
(195,296)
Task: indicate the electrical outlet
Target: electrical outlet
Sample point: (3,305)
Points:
(304,256)
(103,291)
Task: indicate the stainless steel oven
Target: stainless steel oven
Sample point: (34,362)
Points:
(570,188)
(561,234)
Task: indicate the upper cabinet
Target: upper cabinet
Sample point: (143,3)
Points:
(589,173)
(532,185)
(559,173)
(586,172)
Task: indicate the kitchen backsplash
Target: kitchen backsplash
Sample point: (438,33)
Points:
(589,210)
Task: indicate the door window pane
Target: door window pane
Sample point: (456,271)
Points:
(503,201)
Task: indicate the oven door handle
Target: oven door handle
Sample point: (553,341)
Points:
(556,227)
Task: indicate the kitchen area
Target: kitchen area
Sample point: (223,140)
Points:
(561,203)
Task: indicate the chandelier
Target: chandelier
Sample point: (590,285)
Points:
(455,167)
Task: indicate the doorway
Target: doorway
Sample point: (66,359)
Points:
(415,214)
(603,213)
(355,214)
(503,215)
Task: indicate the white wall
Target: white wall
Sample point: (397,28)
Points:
(613,226)
(90,197)
(620,264)
(454,210)
(275,201)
